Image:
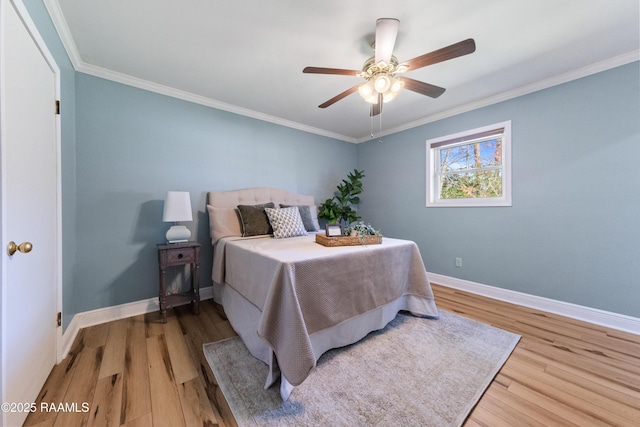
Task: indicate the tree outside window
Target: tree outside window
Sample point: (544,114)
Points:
(470,168)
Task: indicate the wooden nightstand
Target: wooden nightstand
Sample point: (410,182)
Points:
(172,254)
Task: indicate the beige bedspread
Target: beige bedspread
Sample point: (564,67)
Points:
(302,287)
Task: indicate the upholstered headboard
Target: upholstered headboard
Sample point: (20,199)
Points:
(222,207)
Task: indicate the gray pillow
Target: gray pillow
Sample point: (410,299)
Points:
(254,219)
(305,214)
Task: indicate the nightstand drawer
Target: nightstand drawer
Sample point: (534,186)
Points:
(181,256)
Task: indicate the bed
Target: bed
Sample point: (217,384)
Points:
(291,299)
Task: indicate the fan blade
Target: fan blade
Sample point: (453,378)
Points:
(339,71)
(376,108)
(422,87)
(386,32)
(455,50)
(339,97)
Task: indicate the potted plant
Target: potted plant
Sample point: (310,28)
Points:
(361,229)
(341,207)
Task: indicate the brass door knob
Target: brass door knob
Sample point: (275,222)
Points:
(24,247)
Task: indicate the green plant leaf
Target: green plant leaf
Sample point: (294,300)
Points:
(340,207)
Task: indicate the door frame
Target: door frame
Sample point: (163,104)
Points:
(57,280)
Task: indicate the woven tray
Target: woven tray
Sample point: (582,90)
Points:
(347,240)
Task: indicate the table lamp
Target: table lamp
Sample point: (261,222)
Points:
(177,207)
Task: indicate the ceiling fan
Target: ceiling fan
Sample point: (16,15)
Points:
(380,70)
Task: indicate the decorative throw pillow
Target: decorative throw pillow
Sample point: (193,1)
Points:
(223,222)
(286,222)
(314,217)
(254,219)
(306,215)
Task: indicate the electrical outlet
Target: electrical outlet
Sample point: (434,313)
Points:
(458,262)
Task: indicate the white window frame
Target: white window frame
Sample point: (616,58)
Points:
(433,162)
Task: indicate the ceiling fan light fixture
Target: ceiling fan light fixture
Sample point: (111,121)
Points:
(396,86)
(388,96)
(379,70)
(382,83)
(368,93)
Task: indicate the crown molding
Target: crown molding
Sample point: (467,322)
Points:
(197,99)
(53,7)
(588,70)
(62,28)
(60,24)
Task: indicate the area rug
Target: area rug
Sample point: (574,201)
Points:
(414,372)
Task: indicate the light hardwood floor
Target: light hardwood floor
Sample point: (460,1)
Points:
(140,372)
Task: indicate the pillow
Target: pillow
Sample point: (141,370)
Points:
(306,215)
(314,216)
(286,222)
(254,220)
(223,222)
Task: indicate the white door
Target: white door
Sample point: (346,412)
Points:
(30,189)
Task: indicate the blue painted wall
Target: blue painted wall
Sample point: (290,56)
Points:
(572,233)
(134,145)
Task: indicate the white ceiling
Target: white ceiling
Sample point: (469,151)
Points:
(247,56)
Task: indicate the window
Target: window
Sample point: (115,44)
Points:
(471,168)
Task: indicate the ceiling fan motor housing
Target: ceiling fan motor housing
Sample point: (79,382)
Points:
(380,80)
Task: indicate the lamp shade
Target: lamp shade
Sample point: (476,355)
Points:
(177,207)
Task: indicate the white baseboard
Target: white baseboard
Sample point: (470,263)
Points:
(109,314)
(592,315)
